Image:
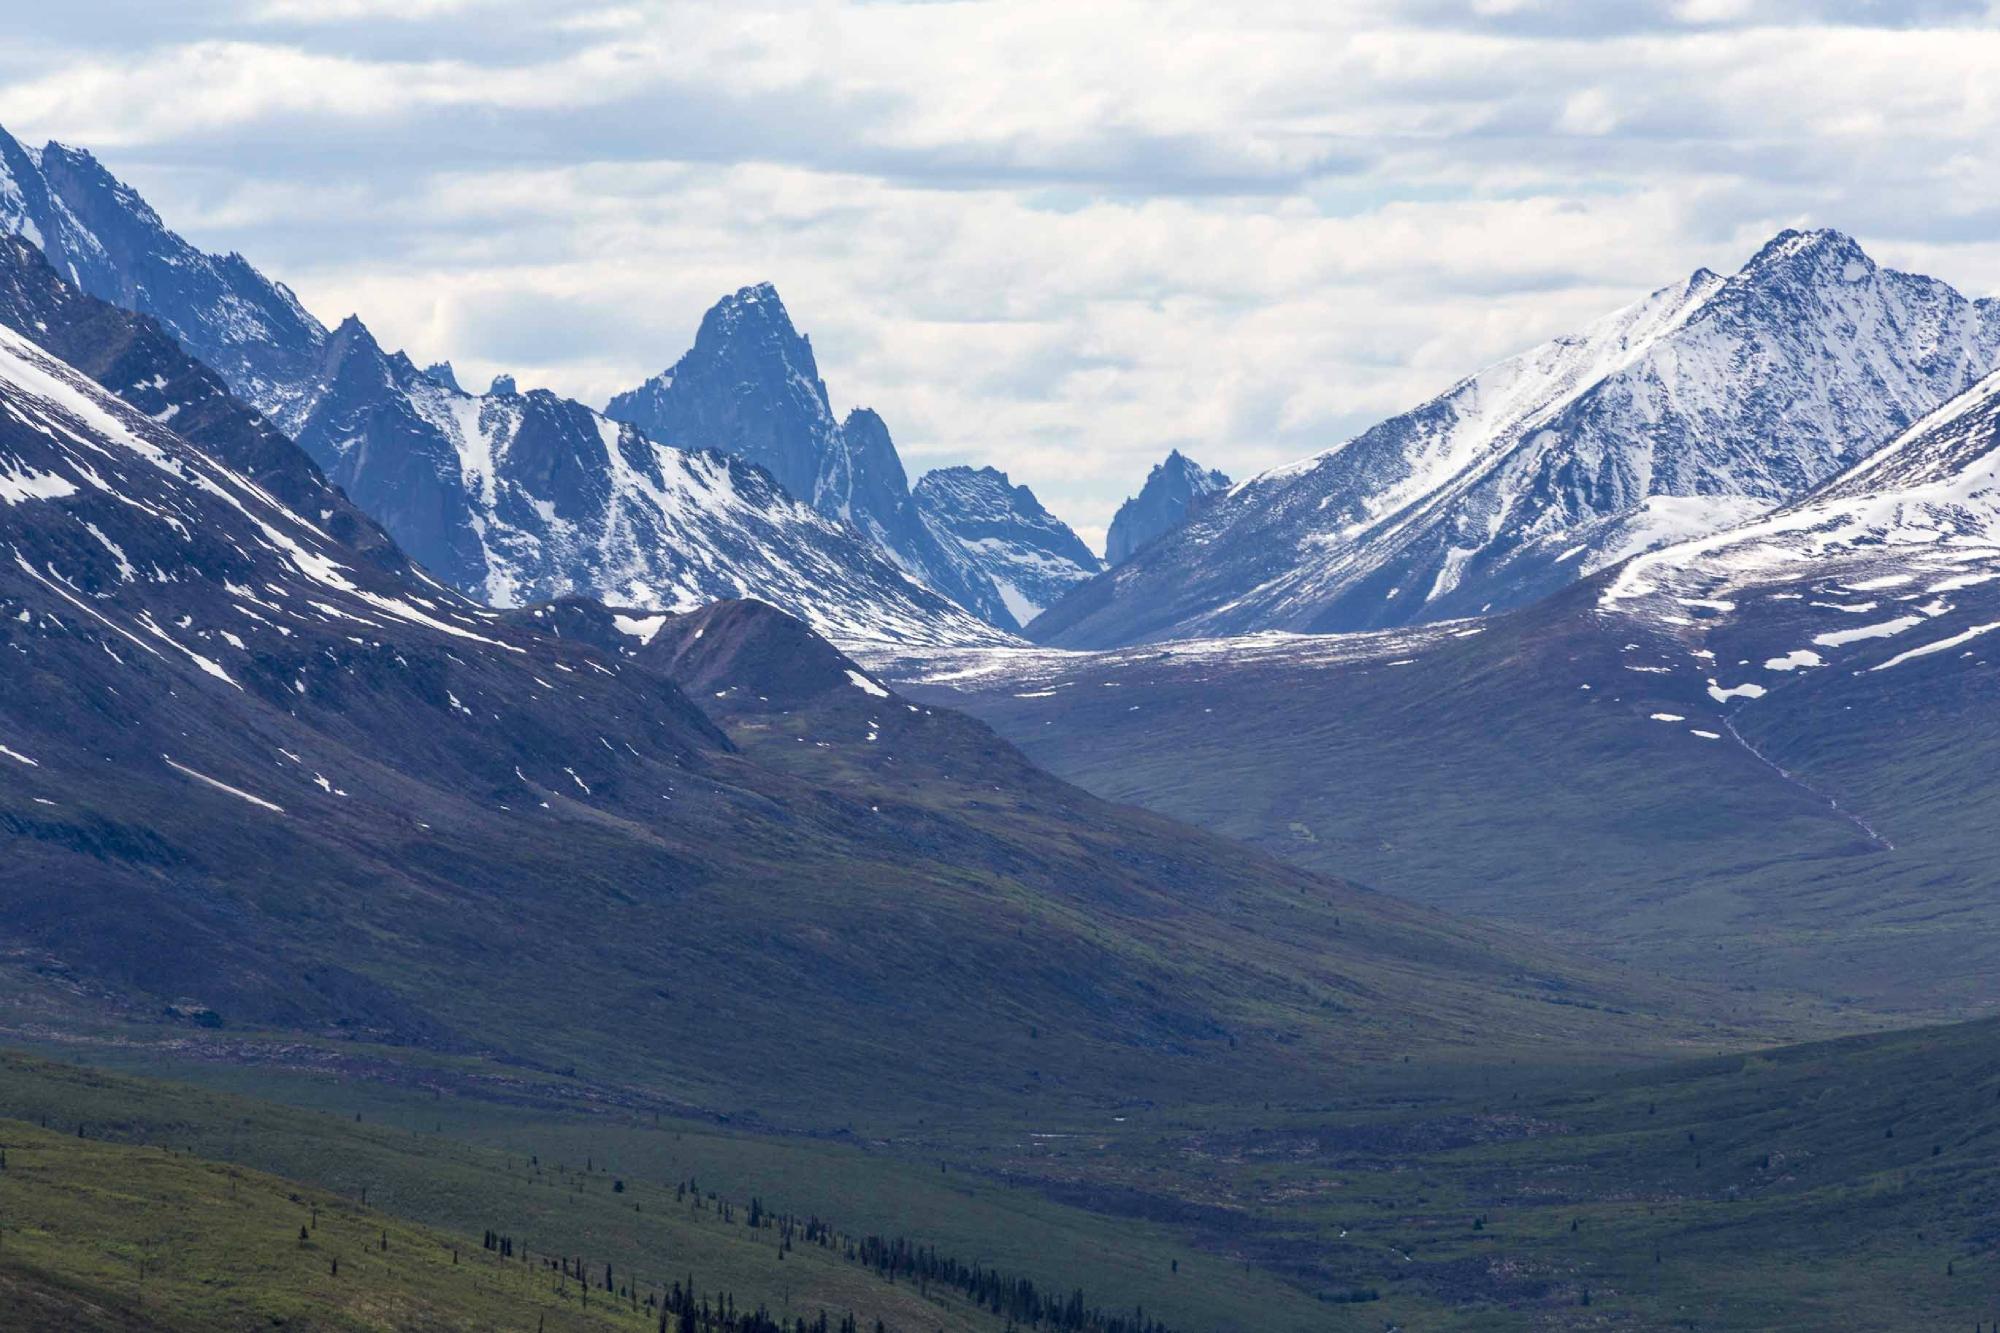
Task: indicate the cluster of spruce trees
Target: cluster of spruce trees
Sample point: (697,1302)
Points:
(682,1310)
(1017,1298)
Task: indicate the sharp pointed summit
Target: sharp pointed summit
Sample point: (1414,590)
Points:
(750,387)
(1173,489)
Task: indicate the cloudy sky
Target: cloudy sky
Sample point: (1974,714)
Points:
(1053,236)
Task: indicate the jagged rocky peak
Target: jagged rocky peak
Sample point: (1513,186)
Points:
(510,497)
(749,386)
(441,373)
(1173,488)
(1031,557)
(503,386)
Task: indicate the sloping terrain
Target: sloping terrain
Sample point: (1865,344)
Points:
(1755,756)
(107,241)
(546,1171)
(133,357)
(253,780)
(1706,403)
(145,1204)
(1849,1184)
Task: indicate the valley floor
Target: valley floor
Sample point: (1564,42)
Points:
(1848,1183)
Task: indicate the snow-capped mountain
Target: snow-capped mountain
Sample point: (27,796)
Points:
(1895,560)
(131,356)
(750,387)
(1026,552)
(99,234)
(1699,407)
(524,497)
(506,496)
(1173,488)
(1762,755)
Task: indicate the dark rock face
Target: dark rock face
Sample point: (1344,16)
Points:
(1028,554)
(1173,489)
(440,372)
(751,388)
(365,431)
(748,387)
(1690,411)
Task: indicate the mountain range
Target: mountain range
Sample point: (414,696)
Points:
(1702,405)
(1751,755)
(256,777)
(510,496)
(487,761)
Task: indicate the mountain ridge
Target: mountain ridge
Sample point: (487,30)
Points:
(1688,411)
(1030,556)
(588,508)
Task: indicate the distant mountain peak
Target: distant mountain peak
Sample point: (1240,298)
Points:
(1173,489)
(441,372)
(750,387)
(1030,556)
(503,386)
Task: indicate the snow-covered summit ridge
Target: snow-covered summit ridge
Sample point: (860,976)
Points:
(1686,412)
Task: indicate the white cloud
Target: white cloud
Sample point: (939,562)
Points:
(1054,237)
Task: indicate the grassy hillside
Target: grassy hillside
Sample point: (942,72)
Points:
(1850,1184)
(1545,768)
(1847,1184)
(106,1235)
(550,1176)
